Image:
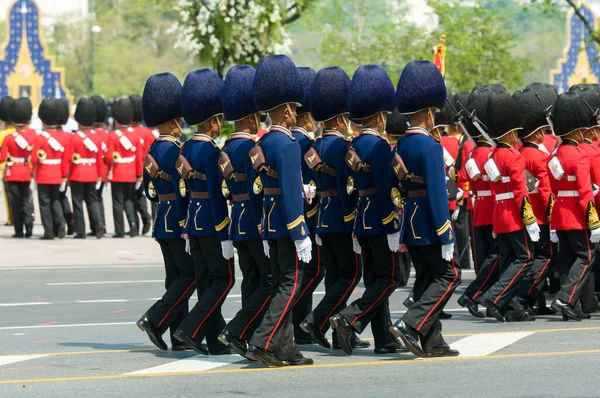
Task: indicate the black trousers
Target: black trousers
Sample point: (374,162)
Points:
(141,207)
(381,277)
(534,281)
(435,282)
(67,212)
(256,288)
(51,211)
(517,256)
(122,199)
(7,203)
(205,319)
(487,272)
(343,271)
(313,274)
(100,217)
(276,332)
(84,192)
(576,257)
(462,231)
(169,311)
(21,206)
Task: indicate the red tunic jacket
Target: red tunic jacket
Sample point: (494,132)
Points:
(593,153)
(49,168)
(100,137)
(536,162)
(450,144)
(85,157)
(17,149)
(127,165)
(483,209)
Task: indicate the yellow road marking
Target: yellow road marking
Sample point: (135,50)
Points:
(330,365)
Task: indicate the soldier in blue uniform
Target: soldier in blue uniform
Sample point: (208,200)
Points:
(427,228)
(161,105)
(377,226)
(207,223)
(303,132)
(336,207)
(278,90)
(245,190)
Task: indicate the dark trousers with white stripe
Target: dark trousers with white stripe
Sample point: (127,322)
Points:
(487,259)
(576,256)
(435,282)
(381,277)
(256,288)
(276,331)
(535,280)
(343,272)
(217,276)
(180,284)
(518,247)
(313,274)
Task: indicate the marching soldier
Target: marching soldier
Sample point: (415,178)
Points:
(7,128)
(146,137)
(278,90)
(86,167)
(161,107)
(17,151)
(124,159)
(376,225)
(313,274)
(244,188)
(514,220)
(548,95)
(100,137)
(574,216)
(207,224)
(419,165)
(51,166)
(64,137)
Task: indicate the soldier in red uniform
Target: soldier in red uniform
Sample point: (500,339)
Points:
(16,151)
(514,221)
(124,159)
(51,166)
(100,137)
(64,137)
(85,169)
(146,137)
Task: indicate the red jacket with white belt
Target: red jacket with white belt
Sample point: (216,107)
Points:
(536,162)
(124,156)
(483,208)
(86,158)
(17,150)
(50,159)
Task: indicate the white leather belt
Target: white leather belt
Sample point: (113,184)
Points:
(505,179)
(18,160)
(51,161)
(567,194)
(571,178)
(504,196)
(85,160)
(130,159)
(484,193)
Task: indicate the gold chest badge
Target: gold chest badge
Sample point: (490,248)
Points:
(151,190)
(182,188)
(350,185)
(396,197)
(224,189)
(257,186)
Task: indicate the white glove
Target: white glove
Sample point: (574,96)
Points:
(32,185)
(460,194)
(394,241)
(455,214)
(266,248)
(494,235)
(596,189)
(356,245)
(138,184)
(98,183)
(318,240)
(553,236)
(595,235)
(63,186)
(188,248)
(534,231)
(311,190)
(304,249)
(227,249)
(448,252)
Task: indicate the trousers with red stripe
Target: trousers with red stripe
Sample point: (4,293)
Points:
(435,282)
(214,278)
(381,277)
(256,288)
(517,253)
(343,272)
(487,269)
(276,331)
(169,311)
(313,274)
(575,257)
(534,282)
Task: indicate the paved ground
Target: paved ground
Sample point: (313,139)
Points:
(67,329)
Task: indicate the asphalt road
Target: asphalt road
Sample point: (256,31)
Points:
(67,313)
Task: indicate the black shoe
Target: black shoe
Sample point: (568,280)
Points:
(442,350)
(238,346)
(155,336)
(258,354)
(344,332)
(223,351)
(190,342)
(133,231)
(70,229)
(391,348)
(60,233)
(303,340)
(493,308)
(100,230)
(93,233)
(445,315)
(298,360)
(472,306)
(118,236)
(17,236)
(315,333)
(356,342)
(544,311)
(79,236)
(567,310)
(179,347)
(146,228)
(29,232)
(519,317)
(46,237)
(410,300)
(409,336)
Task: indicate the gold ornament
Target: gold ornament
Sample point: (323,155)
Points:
(41,154)
(116,155)
(313,193)
(9,161)
(257,187)
(396,197)
(76,157)
(350,185)
(151,190)
(224,189)
(182,188)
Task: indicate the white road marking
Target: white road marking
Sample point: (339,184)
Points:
(486,344)
(104,282)
(196,363)
(73,325)
(102,301)
(8,359)
(24,304)
(43,268)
